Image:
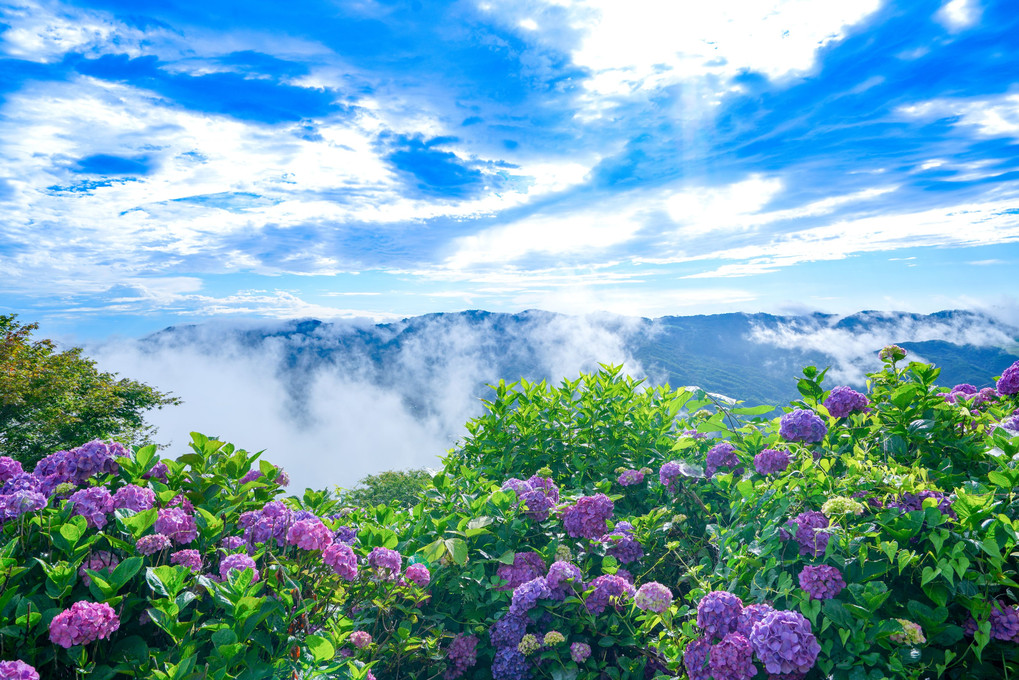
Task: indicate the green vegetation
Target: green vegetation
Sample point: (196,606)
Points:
(400,488)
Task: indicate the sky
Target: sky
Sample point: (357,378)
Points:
(177,161)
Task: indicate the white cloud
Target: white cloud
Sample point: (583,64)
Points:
(995,116)
(959,14)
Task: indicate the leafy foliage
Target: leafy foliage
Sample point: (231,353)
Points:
(53,399)
(403,488)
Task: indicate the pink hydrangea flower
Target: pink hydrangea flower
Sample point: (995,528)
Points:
(310,534)
(83,623)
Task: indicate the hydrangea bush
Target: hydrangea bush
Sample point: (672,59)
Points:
(594,530)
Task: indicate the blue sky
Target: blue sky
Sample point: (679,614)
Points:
(173,161)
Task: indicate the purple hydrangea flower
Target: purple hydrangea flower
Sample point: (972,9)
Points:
(342,559)
(281,479)
(149,545)
(721,455)
(800,425)
(518,486)
(237,562)
(17,670)
(526,596)
(784,643)
(588,517)
(844,400)
(913,502)
(177,524)
(82,623)
(360,639)
(507,632)
(653,596)
(9,468)
(462,653)
(545,485)
(717,613)
(159,471)
(821,582)
(630,478)
(192,559)
(771,461)
(695,659)
(622,545)
(807,526)
(419,574)
(133,497)
(310,534)
(526,566)
(668,474)
(732,658)
(22,481)
(510,664)
(608,589)
(346,535)
(21,502)
(93,503)
(1008,383)
(385,561)
(100,561)
(752,613)
(232,543)
(564,579)
(580,651)
(1004,621)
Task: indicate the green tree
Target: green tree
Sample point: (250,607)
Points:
(52,400)
(403,488)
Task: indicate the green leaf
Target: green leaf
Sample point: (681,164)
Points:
(139,522)
(321,649)
(125,571)
(457,550)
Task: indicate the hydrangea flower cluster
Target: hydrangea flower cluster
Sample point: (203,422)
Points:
(237,562)
(537,494)
(271,523)
(1004,621)
(93,503)
(784,642)
(17,670)
(462,654)
(342,559)
(800,425)
(99,561)
(78,465)
(721,455)
(510,664)
(669,473)
(909,502)
(232,543)
(282,478)
(386,562)
(360,639)
(695,659)
(133,497)
(82,623)
(844,400)
(771,461)
(150,545)
(346,535)
(840,506)
(912,633)
(622,545)
(310,534)
(192,559)
(732,658)
(526,566)
(806,527)
(553,638)
(1010,425)
(528,645)
(159,471)
(718,613)
(1008,383)
(821,582)
(507,631)
(9,468)
(177,524)
(526,596)
(563,579)
(653,597)
(21,502)
(608,589)
(891,353)
(418,573)
(751,614)
(580,651)
(630,477)
(588,517)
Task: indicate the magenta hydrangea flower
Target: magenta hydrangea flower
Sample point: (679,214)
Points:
(418,573)
(752,613)
(564,579)
(93,503)
(721,455)
(732,658)
(310,534)
(526,596)
(177,524)
(580,651)
(133,497)
(807,528)
(526,566)
(82,623)
(100,561)
(1004,621)
(695,659)
(17,670)
(654,597)
(771,461)
(608,589)
(669,473)
(149,545)
(237,562)
(717,613)
(822,582)
(630,478)
(192,559)
(462,653)
(843,400)
(342,559)
(385,561)
(800,425)
(588,517)
(9,468)
(1008,383)
(784,642)
(360,639)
